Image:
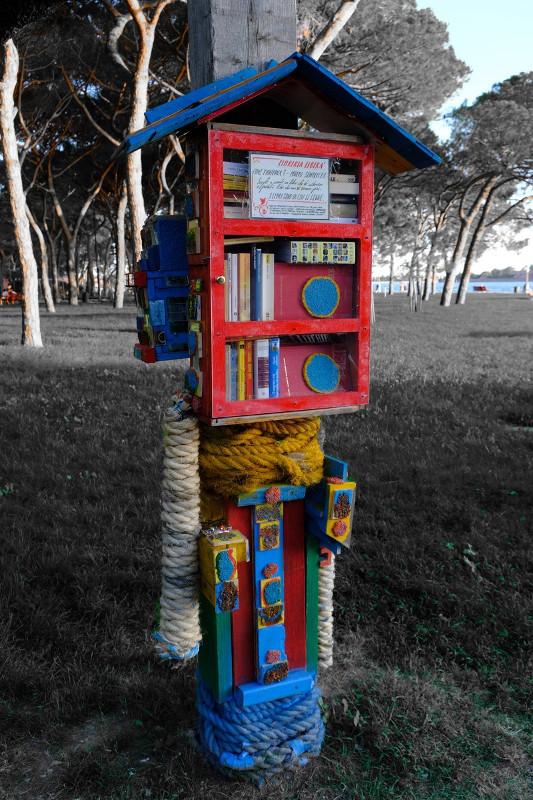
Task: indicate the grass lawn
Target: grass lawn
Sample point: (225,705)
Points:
(431,693)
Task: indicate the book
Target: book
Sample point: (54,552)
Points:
(192,237)
(243,261)
(235,168)
(267,286)
(343,210)
(234,288)
(343,184)
(247,239)
(273,367)
(232,371)
(227,289)
(241,369)
(249,367)
(236,212)
(316,252)
(255,282)
(261,355)
(227,364)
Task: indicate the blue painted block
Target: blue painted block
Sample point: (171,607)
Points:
(298,682)
(257,497)
(325,541)
(335,468)
(153,258)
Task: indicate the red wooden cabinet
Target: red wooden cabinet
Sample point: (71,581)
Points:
(293,211)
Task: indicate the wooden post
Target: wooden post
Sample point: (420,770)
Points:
(225,37)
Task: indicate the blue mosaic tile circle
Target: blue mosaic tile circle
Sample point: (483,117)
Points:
(320,296)
(321,373)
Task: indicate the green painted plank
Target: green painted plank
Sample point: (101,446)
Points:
(214,658)
(312,547)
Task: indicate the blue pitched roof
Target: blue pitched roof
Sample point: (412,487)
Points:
(307,89)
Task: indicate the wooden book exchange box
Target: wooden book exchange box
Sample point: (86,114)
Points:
(279,169)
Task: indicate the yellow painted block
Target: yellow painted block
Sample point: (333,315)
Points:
(341,499)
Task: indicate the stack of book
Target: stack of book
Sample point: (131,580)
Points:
(316,252)
(236,190)
(343,198)
(252,369)
(249,285)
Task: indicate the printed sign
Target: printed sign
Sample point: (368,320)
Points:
(289,187)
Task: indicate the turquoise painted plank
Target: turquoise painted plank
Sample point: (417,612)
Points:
(181,103)
(299,681)
(256,497)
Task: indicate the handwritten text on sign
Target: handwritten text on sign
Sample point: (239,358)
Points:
(289,187)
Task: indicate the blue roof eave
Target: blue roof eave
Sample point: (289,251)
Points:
(180,114)
(201,106)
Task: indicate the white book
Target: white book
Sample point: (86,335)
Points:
(234,287)
(235,168)
(261,369)
(267,287)
(227,289)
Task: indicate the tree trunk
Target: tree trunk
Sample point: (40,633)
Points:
(391,274)
(47,292)
(471,253)
(333,28)
(53,263)
(31,327)
(121,249)
(71,271)
(467,220)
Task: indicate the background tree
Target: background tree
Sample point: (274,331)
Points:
(31,328)
(490,145)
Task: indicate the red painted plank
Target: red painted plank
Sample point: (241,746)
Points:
(242,620)
(294,569)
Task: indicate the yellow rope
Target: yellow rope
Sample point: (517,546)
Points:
(236,459)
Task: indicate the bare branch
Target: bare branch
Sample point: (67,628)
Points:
(86,111)
(333,28)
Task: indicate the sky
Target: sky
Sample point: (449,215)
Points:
(495,39)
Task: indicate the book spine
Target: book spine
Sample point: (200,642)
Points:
(244,287)
(233,371)
(249,367)
(234,288)
(227,289)
(261,368)
(241,370)
(267,287)
(227,362)
(253,284)
(273,367)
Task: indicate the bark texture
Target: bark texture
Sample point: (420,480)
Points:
(31,326)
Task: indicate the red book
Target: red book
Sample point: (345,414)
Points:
(249,367)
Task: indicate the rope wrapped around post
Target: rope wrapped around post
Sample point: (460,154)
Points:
(261,740)
(326,583)
(178,635)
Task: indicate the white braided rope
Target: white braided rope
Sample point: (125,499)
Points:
(326,582)
(179,634)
